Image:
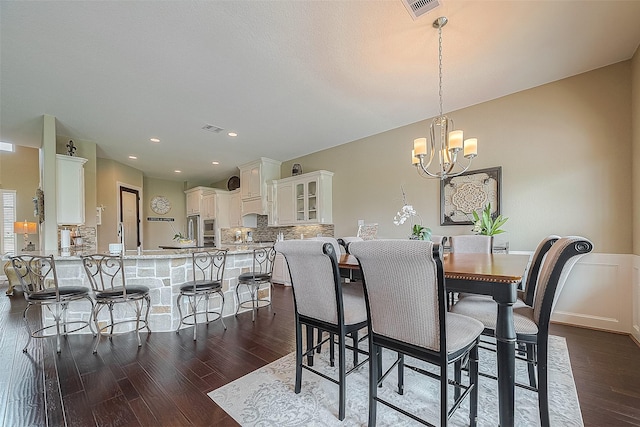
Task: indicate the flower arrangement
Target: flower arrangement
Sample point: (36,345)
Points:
(418,232)
(485,225)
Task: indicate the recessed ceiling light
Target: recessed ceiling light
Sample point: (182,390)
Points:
(177,171)
(133,157)
(232,134)
(215,163)
(154,140)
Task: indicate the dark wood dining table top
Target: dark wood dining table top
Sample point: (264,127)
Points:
(501,268)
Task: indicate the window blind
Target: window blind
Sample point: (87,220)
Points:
(8,213)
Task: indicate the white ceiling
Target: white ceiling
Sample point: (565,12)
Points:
(290,77)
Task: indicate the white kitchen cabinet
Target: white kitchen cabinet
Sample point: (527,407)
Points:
(285,206)
(272,207)
(280,272)
(235,209)
(208,208)
(305,199)
(194,197)
(253,184)
(70,189)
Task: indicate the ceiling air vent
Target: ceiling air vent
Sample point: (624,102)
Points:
(212,128)
(420,7)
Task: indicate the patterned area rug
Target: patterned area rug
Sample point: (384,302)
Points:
(265,397)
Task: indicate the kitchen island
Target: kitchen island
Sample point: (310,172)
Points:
(163,271)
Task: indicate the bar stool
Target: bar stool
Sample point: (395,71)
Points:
(208,273)
(39,280)
(260,274)
(107,277)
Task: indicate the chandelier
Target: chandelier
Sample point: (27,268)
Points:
(446,146)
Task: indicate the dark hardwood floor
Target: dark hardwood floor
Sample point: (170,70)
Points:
(165,382)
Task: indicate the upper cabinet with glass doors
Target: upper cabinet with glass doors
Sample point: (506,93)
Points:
(310,202)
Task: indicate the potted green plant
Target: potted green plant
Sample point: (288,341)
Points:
(418,232)
(485,224)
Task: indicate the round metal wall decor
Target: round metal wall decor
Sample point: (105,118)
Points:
(233,183)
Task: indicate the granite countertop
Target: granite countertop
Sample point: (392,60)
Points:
(148,254)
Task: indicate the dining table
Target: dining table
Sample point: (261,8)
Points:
(496,275)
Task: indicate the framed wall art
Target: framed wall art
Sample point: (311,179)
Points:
(470,191)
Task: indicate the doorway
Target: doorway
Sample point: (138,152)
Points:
(130,217)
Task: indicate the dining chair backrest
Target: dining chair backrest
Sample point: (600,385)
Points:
(313,267)
(333,241)
(556,267)
(344,242)
(105,272)
(441,240)
(534,269)
(471,243)
(36,273)
(404,289)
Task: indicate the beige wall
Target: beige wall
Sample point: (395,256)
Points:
(635,114)
(158,233)
(565,152)
(108,174)
(19,171)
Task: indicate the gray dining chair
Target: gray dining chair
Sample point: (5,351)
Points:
(531,322)
(471,243)
(407,312)
(322,303)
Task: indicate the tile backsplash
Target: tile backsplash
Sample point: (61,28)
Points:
(264,233)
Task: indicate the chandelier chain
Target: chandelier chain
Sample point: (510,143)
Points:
(440,66)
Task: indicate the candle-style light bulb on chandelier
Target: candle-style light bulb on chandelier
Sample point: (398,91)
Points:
(445,144)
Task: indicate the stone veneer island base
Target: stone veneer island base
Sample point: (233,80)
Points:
(163,271)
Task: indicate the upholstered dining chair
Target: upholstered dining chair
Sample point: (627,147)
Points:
(259,275)
(108,281)
(471,243)
(407,311)
(532,321)
(525,297)
(39,280)
(208,273)
(322,303)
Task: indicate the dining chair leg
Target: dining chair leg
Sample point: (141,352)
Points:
(138,304)
(310,344)
(400,373)
(374,377)
(342,376)
(354,337)
(531,363)
(332,351)
(443,394)
(178,301)
(543,390)
(473,382)
(299,357)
